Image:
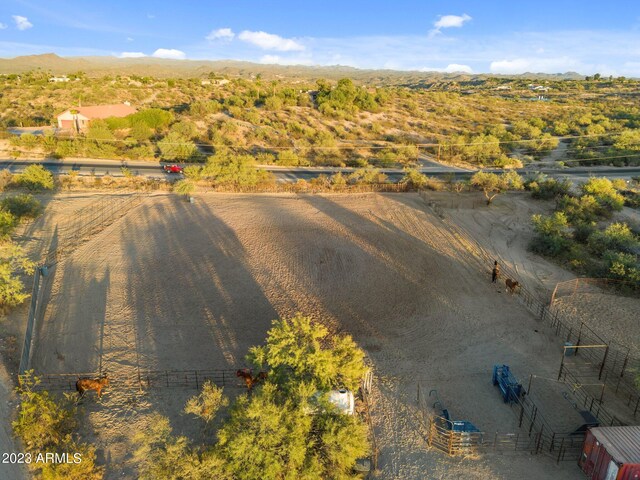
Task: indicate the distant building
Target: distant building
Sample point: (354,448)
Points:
(539,88)
(63,78)
(503,87)
(78,118)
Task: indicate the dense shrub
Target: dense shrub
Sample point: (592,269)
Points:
(35,178)
(616,237)
(603,190)
(584,209)
(47,425)
(548,189)
(175,147)
(21,206)
(552,234)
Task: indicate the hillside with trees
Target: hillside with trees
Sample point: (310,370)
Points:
(482,122)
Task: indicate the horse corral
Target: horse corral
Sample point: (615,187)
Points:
(180,286)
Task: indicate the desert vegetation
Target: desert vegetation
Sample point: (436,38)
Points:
(46,423)
(322,122)
(276,431)
(580,232)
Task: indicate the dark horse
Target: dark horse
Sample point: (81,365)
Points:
(250,380)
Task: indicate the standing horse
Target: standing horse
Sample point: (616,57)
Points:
(512,285)
(84,384)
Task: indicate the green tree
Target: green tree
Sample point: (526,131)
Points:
(13,261)
(299,350)
(206,404)
(160,455)
(552,230)
(414,179)
(616,237)
(154,118)
(288,158)
(185,187)
(42,423)
(367,176)
(35,178)
(267,437)
(21,206)
(273,104)
(603,190)
(225,168)
(7,224)
(493,184)
(99,130)
(176,147)
(622,266)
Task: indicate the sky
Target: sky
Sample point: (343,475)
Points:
(429,35)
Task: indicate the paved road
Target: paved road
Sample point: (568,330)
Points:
(291,174)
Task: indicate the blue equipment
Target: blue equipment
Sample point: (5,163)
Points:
(510,387)
(445,418)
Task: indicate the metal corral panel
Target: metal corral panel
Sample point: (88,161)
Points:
(622,443)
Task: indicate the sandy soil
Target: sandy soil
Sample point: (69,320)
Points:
(615,318)
(503,231)
(180,286)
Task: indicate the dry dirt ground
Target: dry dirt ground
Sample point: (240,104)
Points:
(615,318)
(174,285)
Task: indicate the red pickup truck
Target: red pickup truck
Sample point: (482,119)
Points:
(173,168)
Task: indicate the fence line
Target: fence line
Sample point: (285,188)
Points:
(581,284)
(536,435)
(25,358)
(310,188)
(613,365)
(365,389)
(560,447)
(89,221)
(144,379)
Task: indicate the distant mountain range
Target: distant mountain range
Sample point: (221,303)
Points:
(165,68)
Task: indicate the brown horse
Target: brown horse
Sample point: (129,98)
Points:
(250,380)
(512,285)
(84,384)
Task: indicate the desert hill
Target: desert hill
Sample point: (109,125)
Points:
(165,68)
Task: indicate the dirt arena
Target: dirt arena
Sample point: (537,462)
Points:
(597,311)
(174,285)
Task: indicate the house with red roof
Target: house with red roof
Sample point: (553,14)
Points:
(78,118)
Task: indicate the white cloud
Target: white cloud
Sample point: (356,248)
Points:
(269,41)
(451,68)
(3,26)
(449,21)
(456,67)
(22,23)
(129,39)
(170,53)
(221,34)
(132,55)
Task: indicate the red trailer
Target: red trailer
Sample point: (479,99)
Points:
(611,453)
